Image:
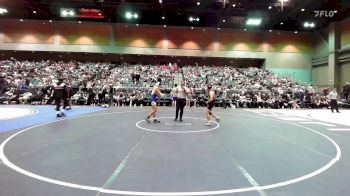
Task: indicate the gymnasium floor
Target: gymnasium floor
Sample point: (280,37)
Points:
(110,151)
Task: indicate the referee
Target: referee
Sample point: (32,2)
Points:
(333,96)
(181,92)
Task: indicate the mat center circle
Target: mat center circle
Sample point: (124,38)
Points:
(169,125)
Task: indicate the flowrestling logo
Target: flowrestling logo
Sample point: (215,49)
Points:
(325,13)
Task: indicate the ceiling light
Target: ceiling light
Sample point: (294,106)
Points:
(309,24)
(192,28)
(21,20)
(50,20)
(64,13)
(302,9)
(67,12)
(160,1)
(164,26)
(198,3)
(270,30)
(281,23)
(254,21)
(192,19)
(34,12)
(3,10)
(218,28)
(233,5)
(79,22)
(270,7)
(137,25)
(99,14)
(295,32)
(128,15)
(223,20)
(245,29)
(163,18)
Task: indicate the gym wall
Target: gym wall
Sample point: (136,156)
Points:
(321,52)
(344,57)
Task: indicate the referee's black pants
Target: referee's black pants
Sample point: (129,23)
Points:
(58,103)
(334,105)
(180,104)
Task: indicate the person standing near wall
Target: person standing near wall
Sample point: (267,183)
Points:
(132,99)
(3,83)
(346,91)
(224,97)
(333,96)
(67,95)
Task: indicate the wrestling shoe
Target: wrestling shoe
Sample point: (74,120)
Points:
(147,120)
(156,121)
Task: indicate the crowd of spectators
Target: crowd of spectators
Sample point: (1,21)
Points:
(90,83)
(257,88)
(129,85)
